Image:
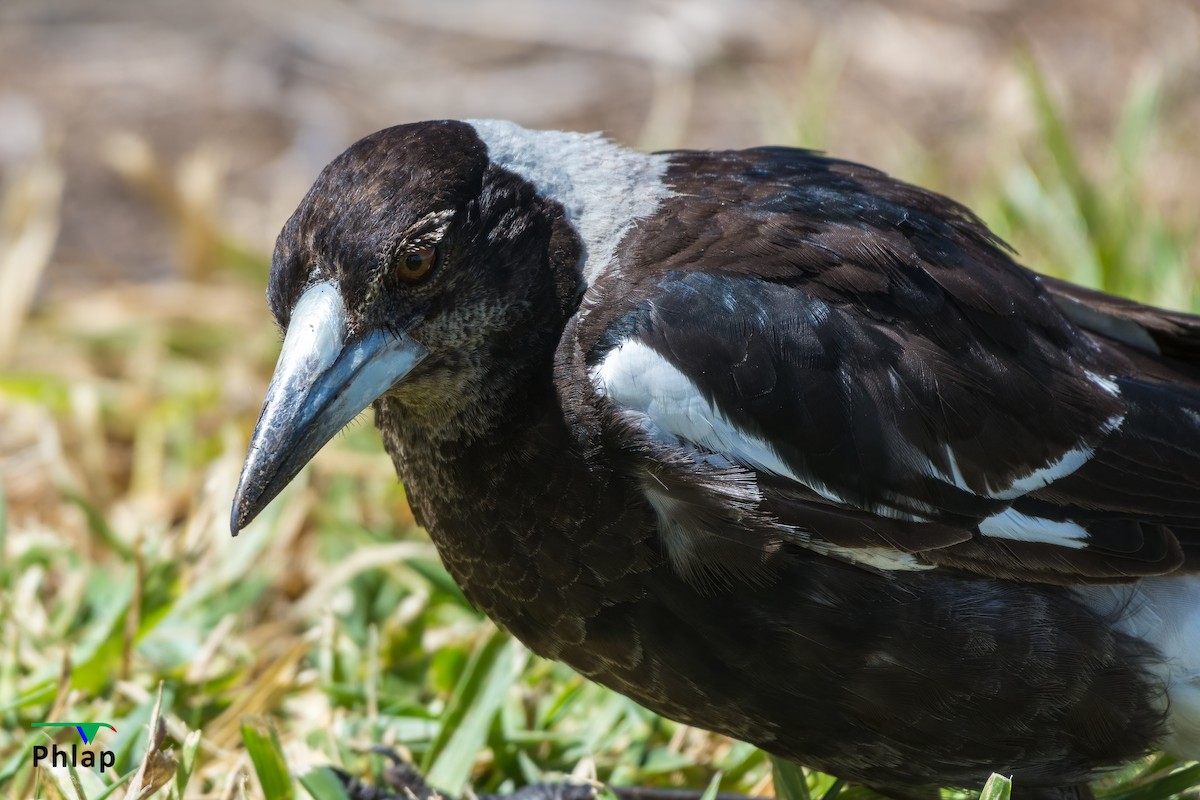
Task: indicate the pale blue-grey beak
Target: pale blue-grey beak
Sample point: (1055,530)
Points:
(321,382)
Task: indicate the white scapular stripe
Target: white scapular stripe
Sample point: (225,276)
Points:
(1060,467)
(1014,525)
(1166,613)
(637,378)
(1106,382)
(881,558)
(603,188)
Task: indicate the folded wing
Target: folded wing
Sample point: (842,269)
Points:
(889,388)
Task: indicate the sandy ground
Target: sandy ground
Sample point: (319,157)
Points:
(266,92)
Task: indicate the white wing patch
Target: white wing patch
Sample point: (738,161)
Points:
(637,378)
(1061,467)
(1041,477)
(1012,524)
(640,380)
(603,188)
(671,407)
(881,558)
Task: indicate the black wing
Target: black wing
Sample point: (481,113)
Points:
(804,348)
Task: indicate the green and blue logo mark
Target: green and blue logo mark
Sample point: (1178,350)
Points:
(62,757)
(87,730)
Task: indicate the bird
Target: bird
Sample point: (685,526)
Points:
(772,443)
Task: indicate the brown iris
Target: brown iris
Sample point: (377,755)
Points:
(416,266)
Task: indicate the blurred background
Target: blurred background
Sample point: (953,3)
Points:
(149,153)
(269,91)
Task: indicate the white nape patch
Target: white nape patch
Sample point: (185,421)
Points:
(603,188)
(1164,611)
(1021,527)
(637,378)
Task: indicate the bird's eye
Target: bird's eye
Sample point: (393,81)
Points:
(417,265)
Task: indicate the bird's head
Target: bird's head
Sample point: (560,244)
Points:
(415,267)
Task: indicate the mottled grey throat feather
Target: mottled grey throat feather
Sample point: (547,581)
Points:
(772,443)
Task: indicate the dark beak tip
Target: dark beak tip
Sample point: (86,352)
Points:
(253,494)
(236,523)
(244,509)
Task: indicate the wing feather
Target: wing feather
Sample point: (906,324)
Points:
(877,376)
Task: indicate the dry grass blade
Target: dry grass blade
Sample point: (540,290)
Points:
(267,687)
(158,764)
(28,230)
(188,198)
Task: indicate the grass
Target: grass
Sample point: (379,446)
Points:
(329,626)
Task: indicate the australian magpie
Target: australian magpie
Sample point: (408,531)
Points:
(772,443)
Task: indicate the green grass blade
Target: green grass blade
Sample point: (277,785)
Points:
(714,785)
(790,781)
(1137,124)
(1165,787)
(187,763)
(75,782)
(997,787)
(1060,145)
(477,699)
(117,784)
(834,790)
(322,784)
(99,525)
(3,538)
(262,743)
